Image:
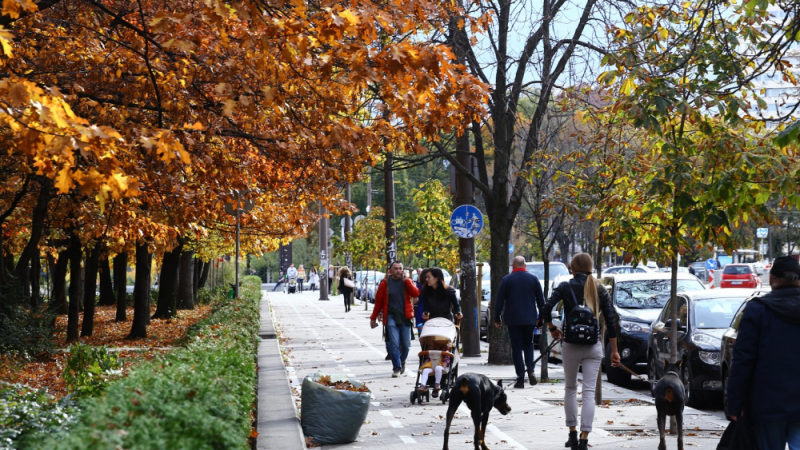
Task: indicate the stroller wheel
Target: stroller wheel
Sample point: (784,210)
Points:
(413,397)
(444,396)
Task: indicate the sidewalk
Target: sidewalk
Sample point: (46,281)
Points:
(319,335)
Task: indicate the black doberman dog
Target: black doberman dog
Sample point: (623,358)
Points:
(670,399)
(480,395)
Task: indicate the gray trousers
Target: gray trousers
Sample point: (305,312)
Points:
(589,357)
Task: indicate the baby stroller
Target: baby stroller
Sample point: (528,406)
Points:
(291,287)
(438,335)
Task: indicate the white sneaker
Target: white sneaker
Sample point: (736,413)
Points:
(395,373)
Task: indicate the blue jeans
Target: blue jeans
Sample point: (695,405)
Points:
(399,341)
(775,435)
(521,337)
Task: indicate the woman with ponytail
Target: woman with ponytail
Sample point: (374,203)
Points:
(582,289)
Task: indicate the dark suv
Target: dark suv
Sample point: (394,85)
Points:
(638,300)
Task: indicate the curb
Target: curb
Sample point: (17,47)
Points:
(277,425)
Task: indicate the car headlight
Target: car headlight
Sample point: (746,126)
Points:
(706,340)
(634,327)
(709,357)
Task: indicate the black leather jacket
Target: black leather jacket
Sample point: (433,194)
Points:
(440,306)
(561,292)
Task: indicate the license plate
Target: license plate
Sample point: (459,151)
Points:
(737,282)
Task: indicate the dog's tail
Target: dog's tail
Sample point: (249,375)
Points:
(668,395)
(464,388)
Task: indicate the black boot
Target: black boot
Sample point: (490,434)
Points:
(583,444)
(572,442)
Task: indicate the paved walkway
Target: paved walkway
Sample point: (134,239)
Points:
(316,335)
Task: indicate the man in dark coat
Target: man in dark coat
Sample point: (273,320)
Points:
(520,294)
(763,379)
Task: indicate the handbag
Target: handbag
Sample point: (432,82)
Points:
(348,282)
(738,436)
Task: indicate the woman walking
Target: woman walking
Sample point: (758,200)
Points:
(347,291)
(313,279)
(437,298)
(582,290)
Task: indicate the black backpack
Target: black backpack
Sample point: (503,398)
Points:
(580,326)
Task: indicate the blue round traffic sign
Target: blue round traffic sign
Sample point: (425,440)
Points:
(466,221)
(711,264)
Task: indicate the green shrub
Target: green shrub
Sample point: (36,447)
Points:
(207,296)
(27,416)
(25,330)
(89,369)
(197,397)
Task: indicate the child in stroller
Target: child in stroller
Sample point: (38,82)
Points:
(444,361)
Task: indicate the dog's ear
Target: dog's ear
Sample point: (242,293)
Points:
(500,384)
(666,362)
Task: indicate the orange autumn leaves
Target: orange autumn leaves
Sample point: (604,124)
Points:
(163,108)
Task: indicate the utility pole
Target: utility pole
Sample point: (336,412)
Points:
(391,231)
(369,189)
(323,254)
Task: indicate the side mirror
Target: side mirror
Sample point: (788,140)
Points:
(668,324)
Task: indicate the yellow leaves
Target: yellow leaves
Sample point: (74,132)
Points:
(229,106)
(6,37)
(14,8)
(64,181)
(197,126)
(350,17)
(627,87)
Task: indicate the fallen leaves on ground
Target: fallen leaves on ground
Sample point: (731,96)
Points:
(325,380)
(109,332)
(44,370)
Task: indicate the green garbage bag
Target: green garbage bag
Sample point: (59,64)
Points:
(332,416)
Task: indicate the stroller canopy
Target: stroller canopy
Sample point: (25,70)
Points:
(439,329)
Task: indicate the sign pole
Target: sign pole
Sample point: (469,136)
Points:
(238,215)
(323,253)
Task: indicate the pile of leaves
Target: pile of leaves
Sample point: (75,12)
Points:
(345,385)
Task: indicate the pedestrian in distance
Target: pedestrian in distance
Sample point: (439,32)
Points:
(761,385)
(419,307)
(518,301)
(291,271)
(437,298)
(578,293)
(393,300)
(347,291)
(281,279)
(313,279)
(330,280)
(301,276)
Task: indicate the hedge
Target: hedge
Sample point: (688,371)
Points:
(200,396)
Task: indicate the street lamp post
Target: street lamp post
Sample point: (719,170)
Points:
(237,210)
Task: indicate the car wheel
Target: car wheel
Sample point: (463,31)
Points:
(652,374)
(693,399)
(615,375)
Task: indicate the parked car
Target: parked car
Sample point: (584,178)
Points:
(638,300)
(703,317)
(626,269)
(726,349)
(700,270)
(739,276)
(558,271)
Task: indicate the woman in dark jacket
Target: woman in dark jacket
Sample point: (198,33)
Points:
(344,272)
(584,290)
(437,298)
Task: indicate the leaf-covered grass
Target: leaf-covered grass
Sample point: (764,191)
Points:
(197,397)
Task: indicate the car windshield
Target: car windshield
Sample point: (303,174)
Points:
(731,269)
(555,270)
(717,312)
(648,294)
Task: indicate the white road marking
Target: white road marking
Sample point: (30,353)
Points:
(386,412)
(504,437)
(396,424)
(539,402)
(367,344)
(408,439)
(601,432)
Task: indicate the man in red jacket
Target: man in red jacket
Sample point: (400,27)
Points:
(393,301)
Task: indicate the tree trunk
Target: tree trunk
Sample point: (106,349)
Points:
(35,280)
(106,287)
(58,273)
(499,343)
(141,293)
(75,288)
(120,284)
(2,258)
(186,281)
(204,275)
(89,289)
(37,229)
(198,268)
(166,290)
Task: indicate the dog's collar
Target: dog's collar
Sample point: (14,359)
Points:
(672,372)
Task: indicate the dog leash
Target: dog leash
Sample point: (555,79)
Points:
(550,347)
(624,367)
